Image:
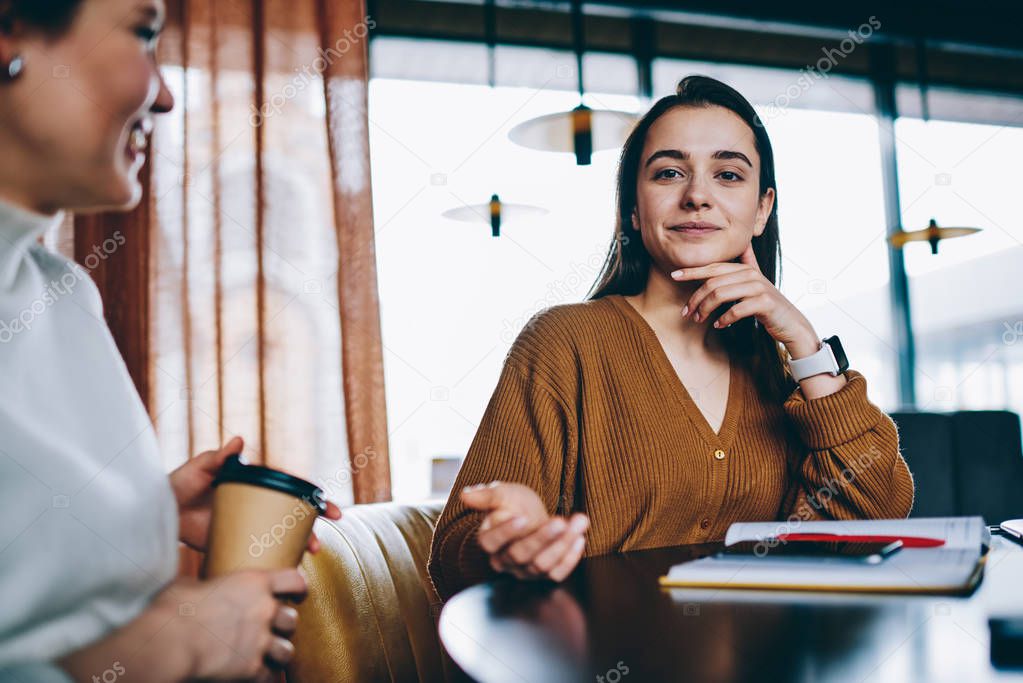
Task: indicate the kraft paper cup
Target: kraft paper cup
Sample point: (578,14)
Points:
(262,519)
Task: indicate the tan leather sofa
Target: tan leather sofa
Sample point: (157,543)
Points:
(371,610)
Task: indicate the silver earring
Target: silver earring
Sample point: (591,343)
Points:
(16,66)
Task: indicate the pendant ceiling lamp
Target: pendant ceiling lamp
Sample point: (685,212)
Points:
(933,233)
(495,212)
(581,131)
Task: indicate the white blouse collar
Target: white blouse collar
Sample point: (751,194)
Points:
(19,230)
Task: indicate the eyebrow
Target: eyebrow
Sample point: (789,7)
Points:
(684,156)
(150,13)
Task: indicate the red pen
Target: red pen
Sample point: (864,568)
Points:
(907,541)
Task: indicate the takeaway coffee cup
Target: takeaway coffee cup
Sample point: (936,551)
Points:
(262,518)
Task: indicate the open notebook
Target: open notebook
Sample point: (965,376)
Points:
(954,567)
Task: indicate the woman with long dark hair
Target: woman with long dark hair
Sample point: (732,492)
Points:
(688,393)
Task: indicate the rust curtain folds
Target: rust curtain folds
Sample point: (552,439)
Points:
(245,297)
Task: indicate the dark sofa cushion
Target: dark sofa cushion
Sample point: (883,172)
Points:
(989,464)
(927,443)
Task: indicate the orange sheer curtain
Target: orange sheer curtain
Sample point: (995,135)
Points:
(264,319)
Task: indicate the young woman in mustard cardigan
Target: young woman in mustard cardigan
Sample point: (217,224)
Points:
(688,393)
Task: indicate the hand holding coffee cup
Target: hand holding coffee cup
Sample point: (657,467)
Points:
(262,518)
(245,613)
(192,484)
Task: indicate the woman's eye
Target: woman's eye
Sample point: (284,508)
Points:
(148,35)
(729,175)
(668,173)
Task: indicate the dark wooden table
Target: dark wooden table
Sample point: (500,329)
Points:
(611,621)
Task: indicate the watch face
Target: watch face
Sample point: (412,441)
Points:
(836,348)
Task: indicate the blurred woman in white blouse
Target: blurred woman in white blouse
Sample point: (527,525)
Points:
(91,523)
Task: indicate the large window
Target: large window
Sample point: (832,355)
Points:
(967,305)
(453,297)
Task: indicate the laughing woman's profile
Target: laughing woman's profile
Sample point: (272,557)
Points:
(686,394)
(92,522)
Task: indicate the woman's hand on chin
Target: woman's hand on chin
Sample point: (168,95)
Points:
(520,537)
(751,295)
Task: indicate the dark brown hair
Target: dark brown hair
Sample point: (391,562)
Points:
(627,264)
(51,17)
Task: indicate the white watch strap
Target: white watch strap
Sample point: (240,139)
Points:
(819,363)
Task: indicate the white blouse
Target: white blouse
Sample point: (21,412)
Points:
(89,530)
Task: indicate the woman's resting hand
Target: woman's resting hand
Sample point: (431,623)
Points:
(520,537)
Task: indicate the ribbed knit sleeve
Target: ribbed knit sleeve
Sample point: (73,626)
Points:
(853,468)
(527,436)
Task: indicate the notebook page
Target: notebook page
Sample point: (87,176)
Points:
(957,532)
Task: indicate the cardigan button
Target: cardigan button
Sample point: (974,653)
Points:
(704,523)
(719,454)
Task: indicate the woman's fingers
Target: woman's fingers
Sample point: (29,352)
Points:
(288,583)
(706,272)
(550,557)
(568,561)
(498,516)
(333,511)
(710,285)
(483,496)
(522,551)
(744,309)
(500,535)
(285,620)
(233,446)
(550,551)
(724,295)
(280,651)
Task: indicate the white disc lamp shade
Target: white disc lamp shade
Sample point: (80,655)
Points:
(581,131)
(494,213)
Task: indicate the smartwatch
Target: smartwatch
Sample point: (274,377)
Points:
(830,359)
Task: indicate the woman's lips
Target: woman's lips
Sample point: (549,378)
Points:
(138,142)
(695,228)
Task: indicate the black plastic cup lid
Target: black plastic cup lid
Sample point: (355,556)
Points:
(234,471)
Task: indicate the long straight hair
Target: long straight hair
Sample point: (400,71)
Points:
(627,265)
